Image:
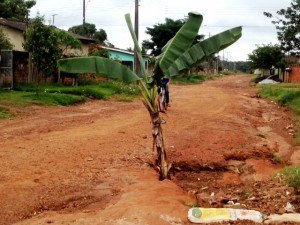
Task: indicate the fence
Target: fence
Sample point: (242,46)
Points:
(14,68)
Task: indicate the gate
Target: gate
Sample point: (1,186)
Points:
(6,69)
(14,68)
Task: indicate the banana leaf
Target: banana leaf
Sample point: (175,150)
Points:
(180,42)
(97,65)
(204,49)
(136,45)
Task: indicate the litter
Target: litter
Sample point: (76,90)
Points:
(268,81)
(212,215)
(289,208)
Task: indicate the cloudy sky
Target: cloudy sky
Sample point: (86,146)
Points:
(219,15)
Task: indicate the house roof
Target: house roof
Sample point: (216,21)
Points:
(122,50)
(118,50)
(83,38)
(21,26)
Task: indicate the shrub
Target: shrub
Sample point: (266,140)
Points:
(291,176)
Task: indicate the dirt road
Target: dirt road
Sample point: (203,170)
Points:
(89,163)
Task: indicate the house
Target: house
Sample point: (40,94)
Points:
(14,64)
(125,57)
(292,72)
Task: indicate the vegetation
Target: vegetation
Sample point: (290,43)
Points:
(66,41)
(193,78)
(161,33)
(4,41)
(90,30)
(57,94)
(178,55)
(288,27)
(4,113)
(48,52)
(266,57)
(285,94)
(291,176)
(103,90)
(242,66)
(97,50)
(15,9)
(52,45)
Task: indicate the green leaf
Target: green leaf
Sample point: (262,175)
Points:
(181,42)
(204,49)
(136,45)
(97,65)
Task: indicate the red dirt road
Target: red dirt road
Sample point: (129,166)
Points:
(88,164)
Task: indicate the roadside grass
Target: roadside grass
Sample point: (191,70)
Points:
(291,176)
(193,78)
(58,94)
(286,94)
(4,113)
(21,98)
(103,90)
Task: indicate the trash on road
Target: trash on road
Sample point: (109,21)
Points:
(289,208)
(212,215)
(291,217)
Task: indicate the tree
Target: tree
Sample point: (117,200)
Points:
(90,30)
(288,27)
(43,45)
(15,9)
(266,57)
(180,53)
(47,44)
(4,41)
(160,34)
(66,41)
(242,66)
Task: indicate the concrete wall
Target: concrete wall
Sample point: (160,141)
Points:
(15,37)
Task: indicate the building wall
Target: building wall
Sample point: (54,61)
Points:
(127,59)
(78,52)
(294,75)
(16,37)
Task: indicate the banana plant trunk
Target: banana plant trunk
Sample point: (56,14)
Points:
(159,146)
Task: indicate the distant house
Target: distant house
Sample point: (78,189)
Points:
(14,64)
(125,57)
(292,72)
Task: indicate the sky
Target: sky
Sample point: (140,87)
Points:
(219,15)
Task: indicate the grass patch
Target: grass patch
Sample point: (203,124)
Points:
(291,176)
(4,113)
(193,79)
(286,94)
(103,90)
(21,98)
(276,159)
(58,94)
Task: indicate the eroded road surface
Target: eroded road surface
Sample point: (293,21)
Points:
(89,163)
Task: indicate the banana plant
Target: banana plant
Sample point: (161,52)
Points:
(177,55)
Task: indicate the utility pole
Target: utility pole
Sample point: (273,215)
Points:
(136,29)
(83,12)
(53,16)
